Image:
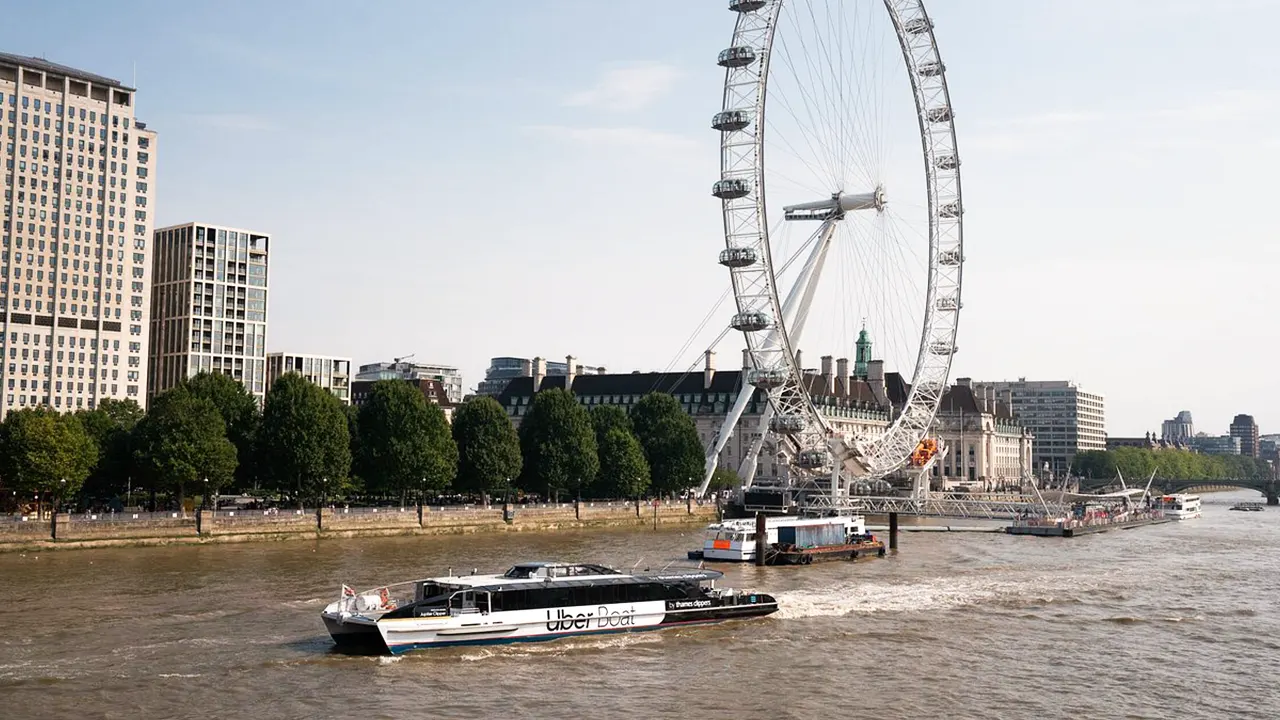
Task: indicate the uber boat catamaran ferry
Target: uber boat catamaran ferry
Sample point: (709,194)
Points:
(532,601)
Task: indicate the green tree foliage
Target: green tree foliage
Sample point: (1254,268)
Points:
(111,426)
(488,447)
(724,479)
(182,442)
(558,444)
(303,446)
(624,473)
(670,441)
(354,483)
(1137,464)
(607,417)
(405,444)
(1097,464)
(239,411)
(45,452)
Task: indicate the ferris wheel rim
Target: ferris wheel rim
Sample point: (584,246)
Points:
(757,290)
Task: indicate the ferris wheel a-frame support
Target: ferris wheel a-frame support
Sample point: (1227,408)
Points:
(795,311)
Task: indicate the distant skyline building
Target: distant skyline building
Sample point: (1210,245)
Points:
(76,224)
(1179,430)
(209,294)
(503,370)
(1064,418)
(431,388)
(331,373)
(1243,427)
(1216,444)
(449,376)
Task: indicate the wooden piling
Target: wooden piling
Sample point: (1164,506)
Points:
(762,539)
(893,531)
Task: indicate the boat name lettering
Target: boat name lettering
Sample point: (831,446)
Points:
(562,621)
(685,604)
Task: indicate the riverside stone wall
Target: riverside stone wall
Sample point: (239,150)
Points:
(107,529)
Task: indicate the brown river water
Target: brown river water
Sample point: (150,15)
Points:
(1172,621)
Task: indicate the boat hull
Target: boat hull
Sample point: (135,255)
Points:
(824,553)
(398,636)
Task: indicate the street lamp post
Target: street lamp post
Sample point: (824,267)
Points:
(205,500)
(62,494)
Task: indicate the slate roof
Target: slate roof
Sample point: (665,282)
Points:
(962,399)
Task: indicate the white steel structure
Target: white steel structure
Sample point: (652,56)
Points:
(822,44)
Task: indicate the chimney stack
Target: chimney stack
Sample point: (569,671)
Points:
(539,372)
(526,368)
(570,373)
(828,384)
(842,377)
(708,369)
(875,378)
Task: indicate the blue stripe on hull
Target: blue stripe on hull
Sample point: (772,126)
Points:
(545,637)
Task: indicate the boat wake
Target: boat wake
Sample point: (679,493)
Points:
(929,594)
(561,647)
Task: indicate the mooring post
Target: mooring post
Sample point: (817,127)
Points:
(761,539)
(893,531)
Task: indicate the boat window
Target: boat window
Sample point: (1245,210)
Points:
(520,572)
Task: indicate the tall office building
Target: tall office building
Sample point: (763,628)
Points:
(1064,418)
(1179,430)
(76,222)
(1243,427)
(209,300)
(400,369)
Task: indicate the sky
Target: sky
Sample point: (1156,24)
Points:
(463,180)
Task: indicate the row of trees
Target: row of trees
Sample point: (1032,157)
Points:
(1138,463)
(208,436)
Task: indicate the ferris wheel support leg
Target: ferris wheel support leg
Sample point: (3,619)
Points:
(750,461)
(722,438)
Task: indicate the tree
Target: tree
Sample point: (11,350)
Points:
(724,479)
(624,473)
(488,447)
(302,445)
(110,425)
(607,417)
(46,452)
(182,443)
(404,441)
(670,441)
(239,411)
(558,444)
(1096,464)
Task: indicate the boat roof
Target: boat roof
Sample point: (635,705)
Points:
(793,520)
(576,575)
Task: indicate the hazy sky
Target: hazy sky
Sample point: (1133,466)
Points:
(468,179)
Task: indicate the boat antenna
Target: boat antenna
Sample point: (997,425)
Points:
(633,567)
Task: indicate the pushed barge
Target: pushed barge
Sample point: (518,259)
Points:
(532,601)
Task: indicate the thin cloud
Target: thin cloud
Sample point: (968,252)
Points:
(628,88)
(239,122)
(625,137)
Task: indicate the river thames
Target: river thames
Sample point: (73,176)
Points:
(1177,620)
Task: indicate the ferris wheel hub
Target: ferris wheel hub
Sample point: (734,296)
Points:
(837,205)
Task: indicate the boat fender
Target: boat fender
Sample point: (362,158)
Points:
(880,552)
(808,559)
(853,555)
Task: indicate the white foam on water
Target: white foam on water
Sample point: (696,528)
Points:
(560,647)
(389,659)
(179,675)
(926,594)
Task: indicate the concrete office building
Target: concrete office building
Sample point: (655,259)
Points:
(1062,416)
(76,224)
(503,370)
(1179,430)
(209,300)
(331,373)
(400,369)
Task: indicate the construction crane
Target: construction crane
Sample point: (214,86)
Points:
(410,356)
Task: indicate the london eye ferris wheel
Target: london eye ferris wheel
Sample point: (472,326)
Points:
(817,95)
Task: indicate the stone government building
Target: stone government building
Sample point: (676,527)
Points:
(986,444)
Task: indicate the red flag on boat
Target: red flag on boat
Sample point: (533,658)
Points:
(348,591)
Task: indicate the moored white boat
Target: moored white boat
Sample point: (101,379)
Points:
(1179,506)
(532,601)
(735,540)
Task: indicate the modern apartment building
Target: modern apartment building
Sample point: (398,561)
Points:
(1063,417)
(1244,427)
(78,178)
(1216,444)
(448,376)
(331,373)
(1179,430)
(503,370)
(209,300)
